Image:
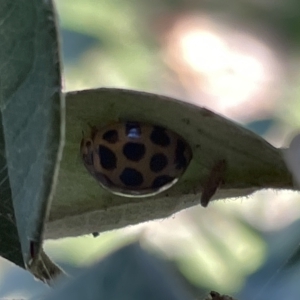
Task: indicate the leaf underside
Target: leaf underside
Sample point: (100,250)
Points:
(81,206)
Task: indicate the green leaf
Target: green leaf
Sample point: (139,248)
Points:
(81,206)
(32,114)
(10,244)
(128,274)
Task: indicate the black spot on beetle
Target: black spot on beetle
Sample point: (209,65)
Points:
(111,136)
(131,177)
(134,151)
(161,181)
(133,130)
(108,158)
(180,160)
(160,137)
(158,162)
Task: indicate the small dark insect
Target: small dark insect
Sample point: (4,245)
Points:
(215,179)
(217,296)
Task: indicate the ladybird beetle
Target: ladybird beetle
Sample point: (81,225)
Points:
(135,159)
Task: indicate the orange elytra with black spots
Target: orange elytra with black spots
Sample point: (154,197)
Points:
(135,159)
